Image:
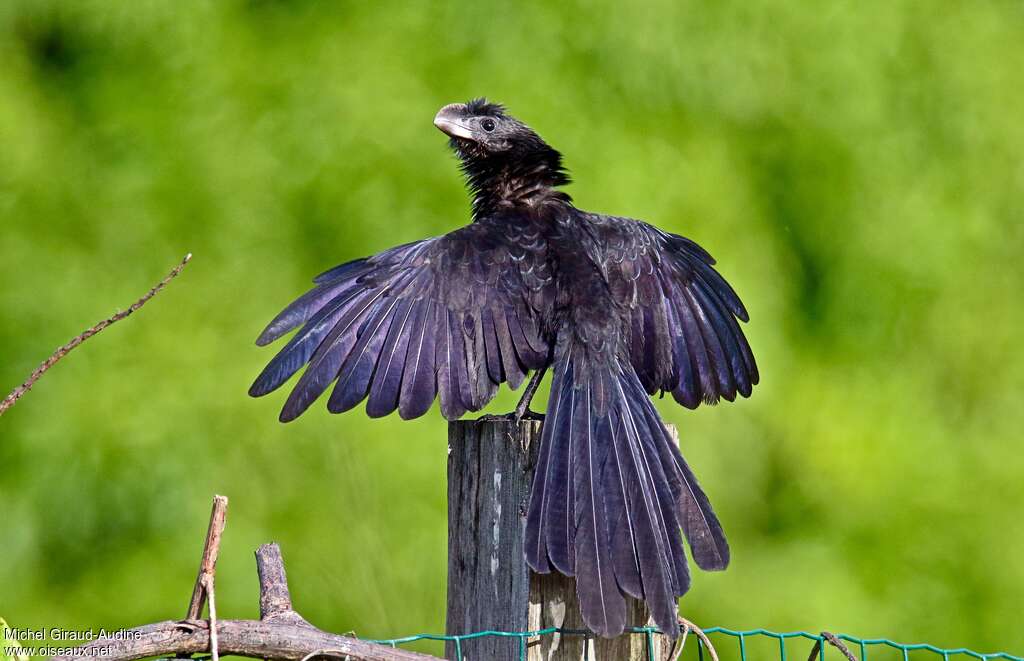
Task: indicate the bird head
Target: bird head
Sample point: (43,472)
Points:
(480,129)
(501,156)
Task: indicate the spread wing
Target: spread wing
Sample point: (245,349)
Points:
(684,332)
(454,315)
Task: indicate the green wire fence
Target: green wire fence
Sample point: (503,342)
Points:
(862,648)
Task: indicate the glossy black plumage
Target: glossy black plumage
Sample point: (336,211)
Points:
(620,309)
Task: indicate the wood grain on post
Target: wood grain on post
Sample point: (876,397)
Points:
(490,587)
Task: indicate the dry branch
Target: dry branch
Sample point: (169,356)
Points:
(687,626)
(17,393)
(835,642)
(275,599)
(251,638)
(208,564)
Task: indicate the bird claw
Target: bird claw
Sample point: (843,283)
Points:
(515,416)
(528,415)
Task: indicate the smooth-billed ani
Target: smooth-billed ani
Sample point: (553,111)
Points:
(618,308)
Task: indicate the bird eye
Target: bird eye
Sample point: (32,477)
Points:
(488,125)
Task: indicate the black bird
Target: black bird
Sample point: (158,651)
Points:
(618,308)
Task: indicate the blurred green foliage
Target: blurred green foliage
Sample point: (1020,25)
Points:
(10,648)
(856,167)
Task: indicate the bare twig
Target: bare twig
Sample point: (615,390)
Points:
(208,564)
(689,626)
(275,599)
(677,647)
(17,393)
(835,642)
(208,583)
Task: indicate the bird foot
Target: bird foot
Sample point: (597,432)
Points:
(528,415)
(515,416)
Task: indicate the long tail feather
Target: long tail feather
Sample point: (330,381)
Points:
(611,492)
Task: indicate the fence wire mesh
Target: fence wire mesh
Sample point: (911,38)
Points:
(752,645)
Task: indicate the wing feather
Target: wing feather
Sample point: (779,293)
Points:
(685,338)
(356,373)
(452,315)
(387,378)
(419,380)
(512,369)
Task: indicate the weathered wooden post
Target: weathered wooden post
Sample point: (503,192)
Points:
(490,469)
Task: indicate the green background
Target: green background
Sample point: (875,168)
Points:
(854,166)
